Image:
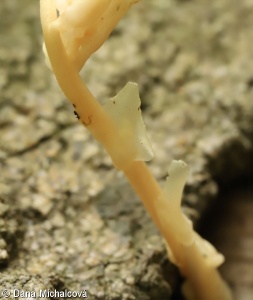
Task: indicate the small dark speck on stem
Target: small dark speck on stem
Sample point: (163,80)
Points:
(88,122)
(76,114)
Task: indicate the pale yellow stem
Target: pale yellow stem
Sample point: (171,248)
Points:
(201,277)
(97,120)
(145,186)
(204,282)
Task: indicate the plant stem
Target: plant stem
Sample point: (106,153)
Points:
(205,280)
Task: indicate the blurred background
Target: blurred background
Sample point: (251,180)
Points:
(68,219)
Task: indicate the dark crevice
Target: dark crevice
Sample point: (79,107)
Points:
(38,143)
(228,225)
(33,146)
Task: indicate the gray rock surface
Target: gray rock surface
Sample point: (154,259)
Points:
(68,219)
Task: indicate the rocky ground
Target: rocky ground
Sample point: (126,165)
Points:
(68,219)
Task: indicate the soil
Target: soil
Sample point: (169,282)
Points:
(68,219)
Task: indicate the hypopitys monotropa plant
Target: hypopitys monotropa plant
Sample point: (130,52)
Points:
(73,30)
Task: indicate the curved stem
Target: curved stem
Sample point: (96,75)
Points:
(205,280)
